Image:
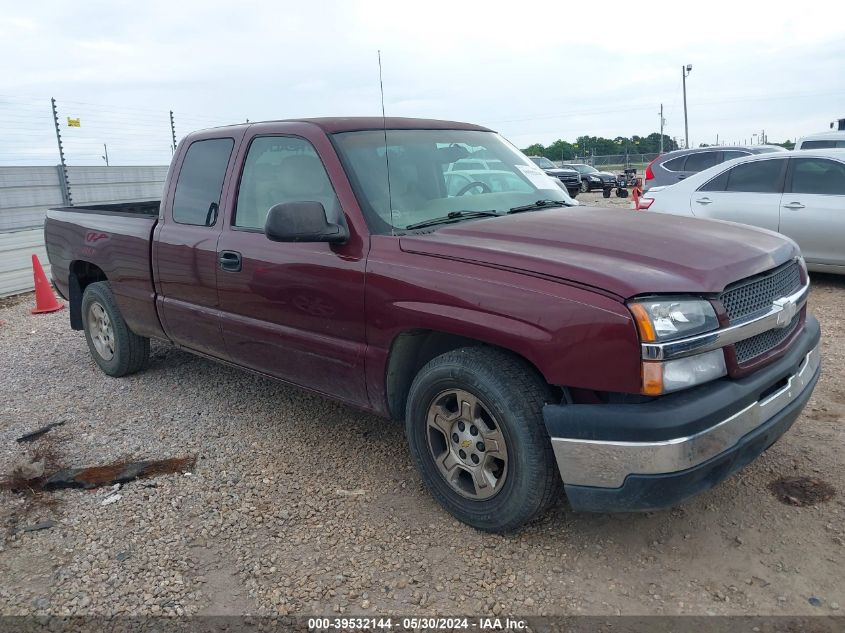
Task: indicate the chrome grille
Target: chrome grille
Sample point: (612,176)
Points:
(752,347)
(756,294)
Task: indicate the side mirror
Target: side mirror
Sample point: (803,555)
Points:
(302,222)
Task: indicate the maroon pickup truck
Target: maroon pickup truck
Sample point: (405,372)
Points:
(527,343)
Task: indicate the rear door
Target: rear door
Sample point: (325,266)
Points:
(294,311)
(699,161)
(185,246)
(813,209)
(748,193)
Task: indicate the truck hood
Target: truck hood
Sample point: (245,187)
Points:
(623,252)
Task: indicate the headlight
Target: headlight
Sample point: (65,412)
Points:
(596,178)
(667,319)
(660,378)
(664,319)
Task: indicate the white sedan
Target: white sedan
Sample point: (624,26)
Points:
(800,194)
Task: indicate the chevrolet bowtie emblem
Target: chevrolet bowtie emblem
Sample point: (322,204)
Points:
(788,309)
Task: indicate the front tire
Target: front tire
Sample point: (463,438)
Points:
(475,428)
(116,349)
(573,193)
(585,186)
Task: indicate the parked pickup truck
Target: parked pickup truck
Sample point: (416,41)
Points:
(633,359)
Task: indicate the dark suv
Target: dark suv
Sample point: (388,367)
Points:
(570,177)
(669,168)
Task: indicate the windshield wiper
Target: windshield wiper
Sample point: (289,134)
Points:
(540,204)
(452,216)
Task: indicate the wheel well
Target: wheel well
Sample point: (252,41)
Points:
(410,352)
(82,274)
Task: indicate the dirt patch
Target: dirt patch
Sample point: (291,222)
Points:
(8,302)
(801,491)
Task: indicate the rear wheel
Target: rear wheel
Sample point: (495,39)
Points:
(114,347)
(475,428)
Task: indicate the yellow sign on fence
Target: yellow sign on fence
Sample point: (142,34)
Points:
(73,122)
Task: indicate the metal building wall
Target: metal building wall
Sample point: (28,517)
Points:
(16,249)
(25,195)
(27,192)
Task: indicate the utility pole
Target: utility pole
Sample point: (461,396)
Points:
(63,167)
(105,155)
(173,131)
(662,121)
(685,71)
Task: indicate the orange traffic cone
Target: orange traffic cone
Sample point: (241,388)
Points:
(45,300)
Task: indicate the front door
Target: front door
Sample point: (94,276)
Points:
(292,310)
(748,193)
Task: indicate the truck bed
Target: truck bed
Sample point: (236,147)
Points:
(144,207)
(106,241)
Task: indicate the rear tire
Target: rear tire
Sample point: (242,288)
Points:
(475,427)
(116,349)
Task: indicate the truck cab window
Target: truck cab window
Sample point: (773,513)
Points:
(282,169)
(200,182)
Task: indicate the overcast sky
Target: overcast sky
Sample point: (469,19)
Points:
(534,71)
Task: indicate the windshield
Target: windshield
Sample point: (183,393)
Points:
(542,162)
(435,173)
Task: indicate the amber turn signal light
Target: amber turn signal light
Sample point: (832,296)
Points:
(652,379)
(643,323)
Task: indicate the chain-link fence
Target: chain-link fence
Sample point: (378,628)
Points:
(616,162)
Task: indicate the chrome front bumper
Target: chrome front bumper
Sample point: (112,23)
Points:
(606,464)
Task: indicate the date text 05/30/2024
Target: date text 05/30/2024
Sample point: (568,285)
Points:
(416,624)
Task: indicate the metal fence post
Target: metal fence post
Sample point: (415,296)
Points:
(64,180)
(173,131)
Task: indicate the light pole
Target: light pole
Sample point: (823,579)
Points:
(685,71)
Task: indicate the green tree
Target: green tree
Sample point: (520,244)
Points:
(597,145)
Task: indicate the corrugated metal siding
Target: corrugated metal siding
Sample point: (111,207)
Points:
(93,185)
(17,249)
(27,192)
(25,195)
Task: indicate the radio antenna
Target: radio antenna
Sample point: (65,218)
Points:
(386,157)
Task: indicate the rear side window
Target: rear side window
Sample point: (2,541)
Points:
(716,184)
(818,175)
(759,176)
(700,161)
(200,182)
(822,144)
(676,164)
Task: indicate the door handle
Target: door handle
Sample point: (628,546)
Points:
(229,261)
(793,205)
(704,200)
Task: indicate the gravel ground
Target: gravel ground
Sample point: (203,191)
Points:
(300,505)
